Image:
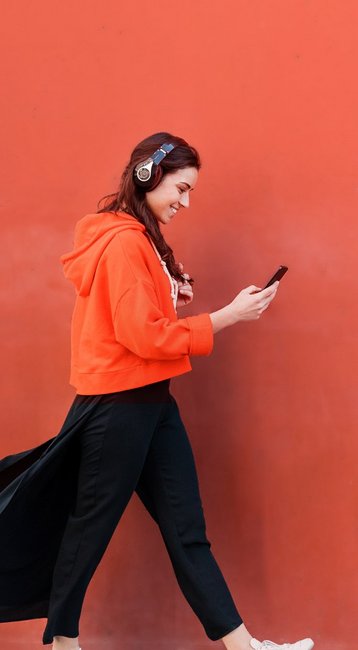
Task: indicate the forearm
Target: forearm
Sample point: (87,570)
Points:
(222,318)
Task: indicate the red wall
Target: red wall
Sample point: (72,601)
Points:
(267,92)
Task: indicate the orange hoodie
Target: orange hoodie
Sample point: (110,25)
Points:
(125,331)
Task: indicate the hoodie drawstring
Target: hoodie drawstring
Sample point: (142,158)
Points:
(174,287)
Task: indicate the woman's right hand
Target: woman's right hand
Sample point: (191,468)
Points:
(249,304)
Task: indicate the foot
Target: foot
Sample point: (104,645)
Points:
(304,644)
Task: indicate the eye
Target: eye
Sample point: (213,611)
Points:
(181,190)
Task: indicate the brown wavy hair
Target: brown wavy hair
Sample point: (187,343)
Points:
(131,199)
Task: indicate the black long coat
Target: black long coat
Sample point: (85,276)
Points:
(37,490)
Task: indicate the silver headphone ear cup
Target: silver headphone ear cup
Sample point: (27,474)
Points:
(156,174)
(148,173)
(143,174)
(143,171)
(143,184)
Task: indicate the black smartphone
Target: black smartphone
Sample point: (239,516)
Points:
(277,276)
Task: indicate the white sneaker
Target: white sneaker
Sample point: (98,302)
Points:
(304,644)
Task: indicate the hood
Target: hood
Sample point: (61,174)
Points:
(92,235)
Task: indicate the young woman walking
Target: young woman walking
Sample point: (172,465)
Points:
(123,432)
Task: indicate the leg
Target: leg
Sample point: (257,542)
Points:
(114,443)
(169,489)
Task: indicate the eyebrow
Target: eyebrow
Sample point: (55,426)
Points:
(185,183)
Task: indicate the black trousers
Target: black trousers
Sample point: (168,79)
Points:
(136,440)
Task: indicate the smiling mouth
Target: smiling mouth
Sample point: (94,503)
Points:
(174,210)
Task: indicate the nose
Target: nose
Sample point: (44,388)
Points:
(184,199)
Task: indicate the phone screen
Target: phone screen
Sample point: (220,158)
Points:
(277,276)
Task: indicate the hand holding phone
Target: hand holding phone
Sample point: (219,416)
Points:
(247,305)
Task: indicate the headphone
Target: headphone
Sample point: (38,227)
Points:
(148,174)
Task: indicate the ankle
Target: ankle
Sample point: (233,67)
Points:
(238,639)
(65,643)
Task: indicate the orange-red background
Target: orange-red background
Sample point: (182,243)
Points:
(267,92)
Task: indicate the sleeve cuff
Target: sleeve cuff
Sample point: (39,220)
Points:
(202,334)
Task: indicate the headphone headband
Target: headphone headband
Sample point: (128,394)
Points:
(160,153)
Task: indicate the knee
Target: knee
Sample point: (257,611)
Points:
(192,528)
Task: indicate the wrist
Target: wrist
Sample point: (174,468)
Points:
(229,315)
(222,318)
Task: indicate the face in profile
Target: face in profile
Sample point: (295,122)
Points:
(172,193)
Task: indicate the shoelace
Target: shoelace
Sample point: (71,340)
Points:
(271,644)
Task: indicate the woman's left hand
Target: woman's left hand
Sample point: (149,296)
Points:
(185,291)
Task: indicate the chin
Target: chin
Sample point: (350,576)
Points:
(164,219)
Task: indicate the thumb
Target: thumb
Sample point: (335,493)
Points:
(252,288)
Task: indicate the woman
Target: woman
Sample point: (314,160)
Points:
(123,432)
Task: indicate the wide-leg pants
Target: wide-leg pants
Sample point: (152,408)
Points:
(135,440)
